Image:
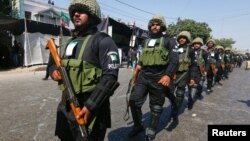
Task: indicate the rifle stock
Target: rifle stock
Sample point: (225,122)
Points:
(74,104)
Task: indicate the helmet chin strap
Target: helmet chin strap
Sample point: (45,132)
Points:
(156,35)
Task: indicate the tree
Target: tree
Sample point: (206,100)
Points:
(8,7)
(225,42)
(196,29)
(5,7)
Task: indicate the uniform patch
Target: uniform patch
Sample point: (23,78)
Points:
(180,50)
(113,66)
(212,54)
(70,48)
(113,55)
(152,42)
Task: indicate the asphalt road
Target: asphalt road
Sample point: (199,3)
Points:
(28,109)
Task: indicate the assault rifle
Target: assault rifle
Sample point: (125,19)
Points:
(126,116)
(74,104)
(130,86)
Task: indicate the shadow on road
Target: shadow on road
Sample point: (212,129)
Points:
(121,134)
(246,102)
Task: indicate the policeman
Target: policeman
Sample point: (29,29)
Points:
(200,65)
(157,65)
(211,70)
(219,64)
(92,63)
(186,59)
(228,61)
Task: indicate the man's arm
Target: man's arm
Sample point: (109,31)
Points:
(173,62)
(135,74)
(107,53)
(193,67)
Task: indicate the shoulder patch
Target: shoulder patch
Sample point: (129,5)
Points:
(113,55)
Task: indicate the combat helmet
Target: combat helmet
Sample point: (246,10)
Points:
(159,19)
(211,40)
(91,7)
(185,34)
(227,49)
(198,40)
(219,47)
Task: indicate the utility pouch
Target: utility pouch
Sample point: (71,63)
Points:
(184,61)
(74,68)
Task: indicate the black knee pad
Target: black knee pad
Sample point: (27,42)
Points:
(180,93)
(199,88)
(209,79)
(156,108)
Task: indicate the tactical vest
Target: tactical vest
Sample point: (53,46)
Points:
(211,57)
(184,61)
(227,58)
(157,55)
(83,75)
(221,57)
(200,59)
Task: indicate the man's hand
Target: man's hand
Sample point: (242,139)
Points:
(205,73)
(191,82)
(85,113)
(56,75)
(165,80)
(215,70)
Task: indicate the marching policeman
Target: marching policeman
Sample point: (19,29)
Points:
(155,69)
(200,65)
(186,59)
(211,70)
(92,63)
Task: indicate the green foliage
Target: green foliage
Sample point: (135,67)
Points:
(5,7)
(197,29)
(225,42)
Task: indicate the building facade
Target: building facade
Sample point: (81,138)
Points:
(39,11)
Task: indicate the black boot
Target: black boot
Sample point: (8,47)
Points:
(137,117)
(192,95)
(199,92)
(156,111)
(174,114)
(173,124)
(190,103)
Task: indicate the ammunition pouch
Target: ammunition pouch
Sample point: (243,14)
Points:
(184,64)
(184,61)
(82,74)
(154,56)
